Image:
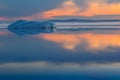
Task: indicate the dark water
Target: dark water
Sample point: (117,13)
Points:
(59,54)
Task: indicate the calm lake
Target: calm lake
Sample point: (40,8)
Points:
(65,54)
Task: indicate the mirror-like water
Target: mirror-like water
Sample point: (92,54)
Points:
(64,54)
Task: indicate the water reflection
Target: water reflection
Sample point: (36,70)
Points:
(90,41)
(60,54)
(88,38)
(82,47)
(3,33)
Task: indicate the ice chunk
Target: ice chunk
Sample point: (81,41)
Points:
(23,27)
(23,24)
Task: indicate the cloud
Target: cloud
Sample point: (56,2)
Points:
(39,10)
(113,1)
(67,8)
(102,8)
(94,7)
(24,8)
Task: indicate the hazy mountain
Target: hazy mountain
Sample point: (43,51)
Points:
(84,20)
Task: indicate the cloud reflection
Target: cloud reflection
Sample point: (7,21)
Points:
(3,33)
(91,41)
(67,41)
(47,67)
(61,47)
(37,66)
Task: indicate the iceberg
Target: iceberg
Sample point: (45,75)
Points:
(23,24)
(23,27)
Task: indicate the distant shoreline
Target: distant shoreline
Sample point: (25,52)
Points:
(66,20)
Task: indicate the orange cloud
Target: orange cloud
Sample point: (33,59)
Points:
(92,41)
(95,7)
(102,8)
(67,8)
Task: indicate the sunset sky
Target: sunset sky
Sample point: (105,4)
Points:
(59,9)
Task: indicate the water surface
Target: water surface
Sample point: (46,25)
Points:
(66,54)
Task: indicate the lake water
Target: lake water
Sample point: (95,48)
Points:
(59,54)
